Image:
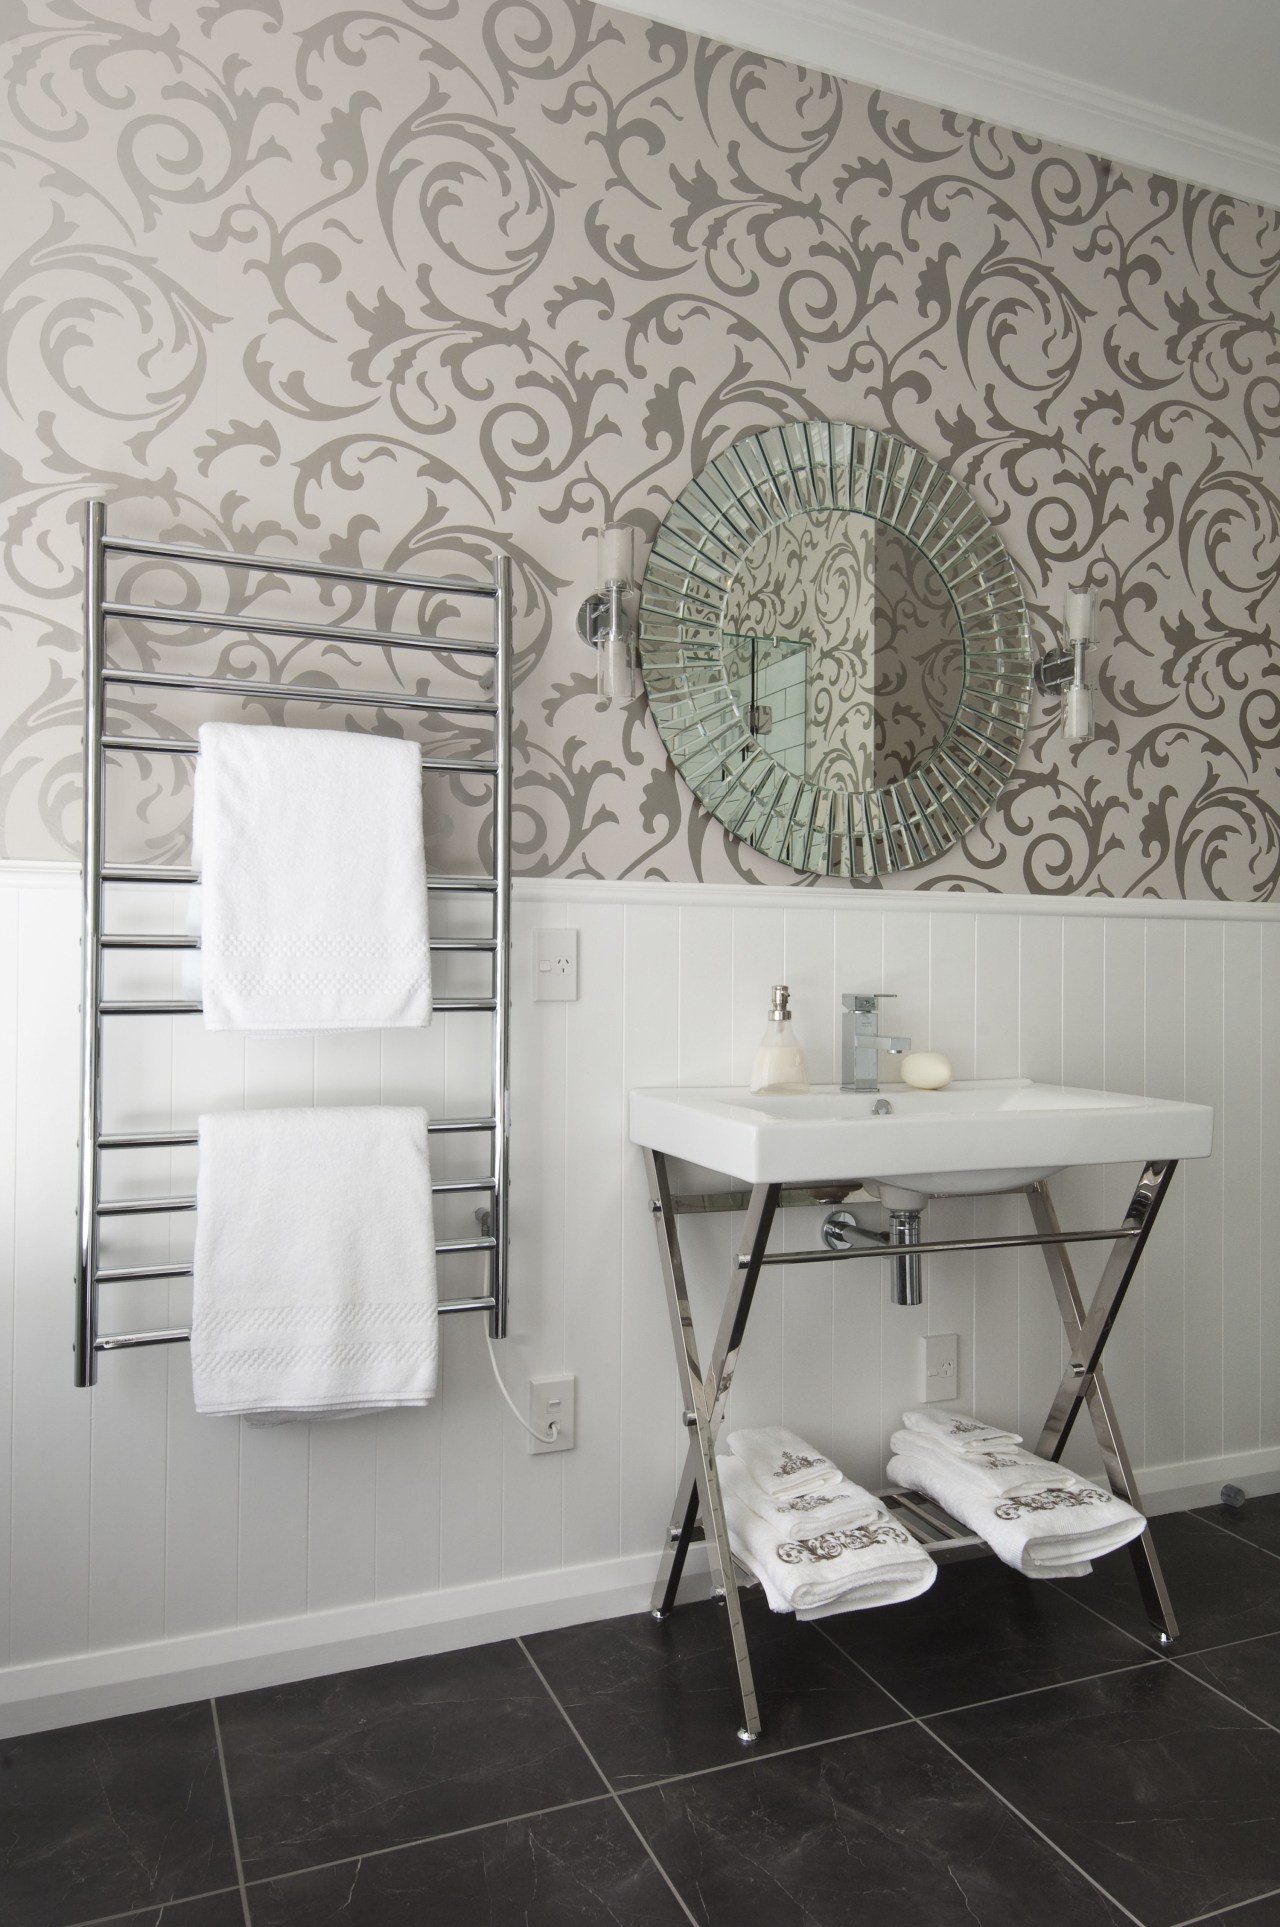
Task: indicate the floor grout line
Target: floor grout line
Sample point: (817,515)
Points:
(1222,1693)
(751,1756)
(1024,1692)
(675,1891)
(419,1840)
(1272,1893)
(994,1791)
(231,1817)
(153,1907)
(1156,1652)
(1229,1532)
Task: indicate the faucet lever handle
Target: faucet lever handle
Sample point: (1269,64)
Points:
(865,1003)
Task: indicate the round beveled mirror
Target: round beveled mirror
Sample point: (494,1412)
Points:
(835,648)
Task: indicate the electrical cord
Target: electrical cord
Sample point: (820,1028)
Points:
(544,1438)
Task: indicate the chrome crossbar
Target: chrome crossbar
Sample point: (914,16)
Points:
(304,631)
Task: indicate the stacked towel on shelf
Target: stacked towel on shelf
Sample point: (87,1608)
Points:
(313,899)
(314,1268)
(819,1561)
(1041,1519)
(956,1432)
(780,1461)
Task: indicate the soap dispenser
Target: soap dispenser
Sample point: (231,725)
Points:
(779,1061)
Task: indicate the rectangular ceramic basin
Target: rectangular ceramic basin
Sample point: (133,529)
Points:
(972,1137)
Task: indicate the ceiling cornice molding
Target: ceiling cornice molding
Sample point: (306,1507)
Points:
(861,44)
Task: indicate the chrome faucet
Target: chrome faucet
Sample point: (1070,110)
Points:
(861,1041)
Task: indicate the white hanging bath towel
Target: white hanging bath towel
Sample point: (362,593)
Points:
(836,1569)
(1053,1532)
(315,1286)
(956,1430)
(781,1462)
(313,898)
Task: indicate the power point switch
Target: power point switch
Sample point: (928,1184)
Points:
(552,1401)
(941,1365)
(555,966)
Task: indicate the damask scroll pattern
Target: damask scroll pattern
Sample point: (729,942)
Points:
(398,283)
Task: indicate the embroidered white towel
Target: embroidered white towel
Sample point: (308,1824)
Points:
(315,1288)
(313,898)
(842,1568)
(998,1469)
(1052,1533)
(956,1430)
(823,1509)
(781,1462)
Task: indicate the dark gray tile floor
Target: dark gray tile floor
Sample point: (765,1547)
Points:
(997,1752)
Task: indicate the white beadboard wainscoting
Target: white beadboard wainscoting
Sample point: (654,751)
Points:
(153,1555)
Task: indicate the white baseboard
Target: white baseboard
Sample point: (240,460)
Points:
(1173,1488)
(234,1659)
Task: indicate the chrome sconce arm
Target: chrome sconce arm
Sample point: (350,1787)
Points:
(603,620)
(1062,669)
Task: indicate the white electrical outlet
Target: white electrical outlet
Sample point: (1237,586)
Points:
(941,1365)
(552,1401)
(555,966)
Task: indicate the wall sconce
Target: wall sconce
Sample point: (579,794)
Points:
(1063,668)
(603,620)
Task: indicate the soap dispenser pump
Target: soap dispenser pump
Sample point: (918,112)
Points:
(779,1061)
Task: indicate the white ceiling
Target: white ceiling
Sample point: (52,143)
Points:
(1188,87)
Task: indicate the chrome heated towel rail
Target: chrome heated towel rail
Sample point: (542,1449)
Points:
(100,743)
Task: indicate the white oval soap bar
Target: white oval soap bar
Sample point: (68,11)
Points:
(926,1070)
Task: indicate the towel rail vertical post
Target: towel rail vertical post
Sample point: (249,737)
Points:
(502,935)
(86,1358)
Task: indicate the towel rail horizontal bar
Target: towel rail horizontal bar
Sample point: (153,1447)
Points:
(134,941)
(174,746)
(137,1207)
(302,692)
(135,1274)
(165,873)
(129,1341)
(308,631)
(1012,1243)
(186,1007)
(286,565)
(174,1140)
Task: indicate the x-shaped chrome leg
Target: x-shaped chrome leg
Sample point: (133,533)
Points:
(704,1399)
(1083,1382)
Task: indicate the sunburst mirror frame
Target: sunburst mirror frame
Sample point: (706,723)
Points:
(802,468)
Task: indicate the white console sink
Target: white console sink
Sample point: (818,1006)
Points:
(981,1136)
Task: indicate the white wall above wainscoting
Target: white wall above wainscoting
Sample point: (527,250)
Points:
(152,1554)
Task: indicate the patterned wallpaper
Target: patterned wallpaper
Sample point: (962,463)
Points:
(403,281)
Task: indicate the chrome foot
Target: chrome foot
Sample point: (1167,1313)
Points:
(1165,1639)
(657,1616)
(746,1738)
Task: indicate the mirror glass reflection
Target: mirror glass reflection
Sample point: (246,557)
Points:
(843,649)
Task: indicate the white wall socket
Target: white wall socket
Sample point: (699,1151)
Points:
(941,1365)
(553,1401)
(555,966)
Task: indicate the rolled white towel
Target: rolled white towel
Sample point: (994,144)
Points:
(957,1430)
(843,1569)
(781,1462)
(999,1468)
(1051,1533)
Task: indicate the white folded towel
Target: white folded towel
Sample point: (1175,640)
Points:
(956,1430)
(826,1509)
(315,1289)
(1051,1533)
(313,898)
(998,1468)
(844,1568)
(781,1462)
